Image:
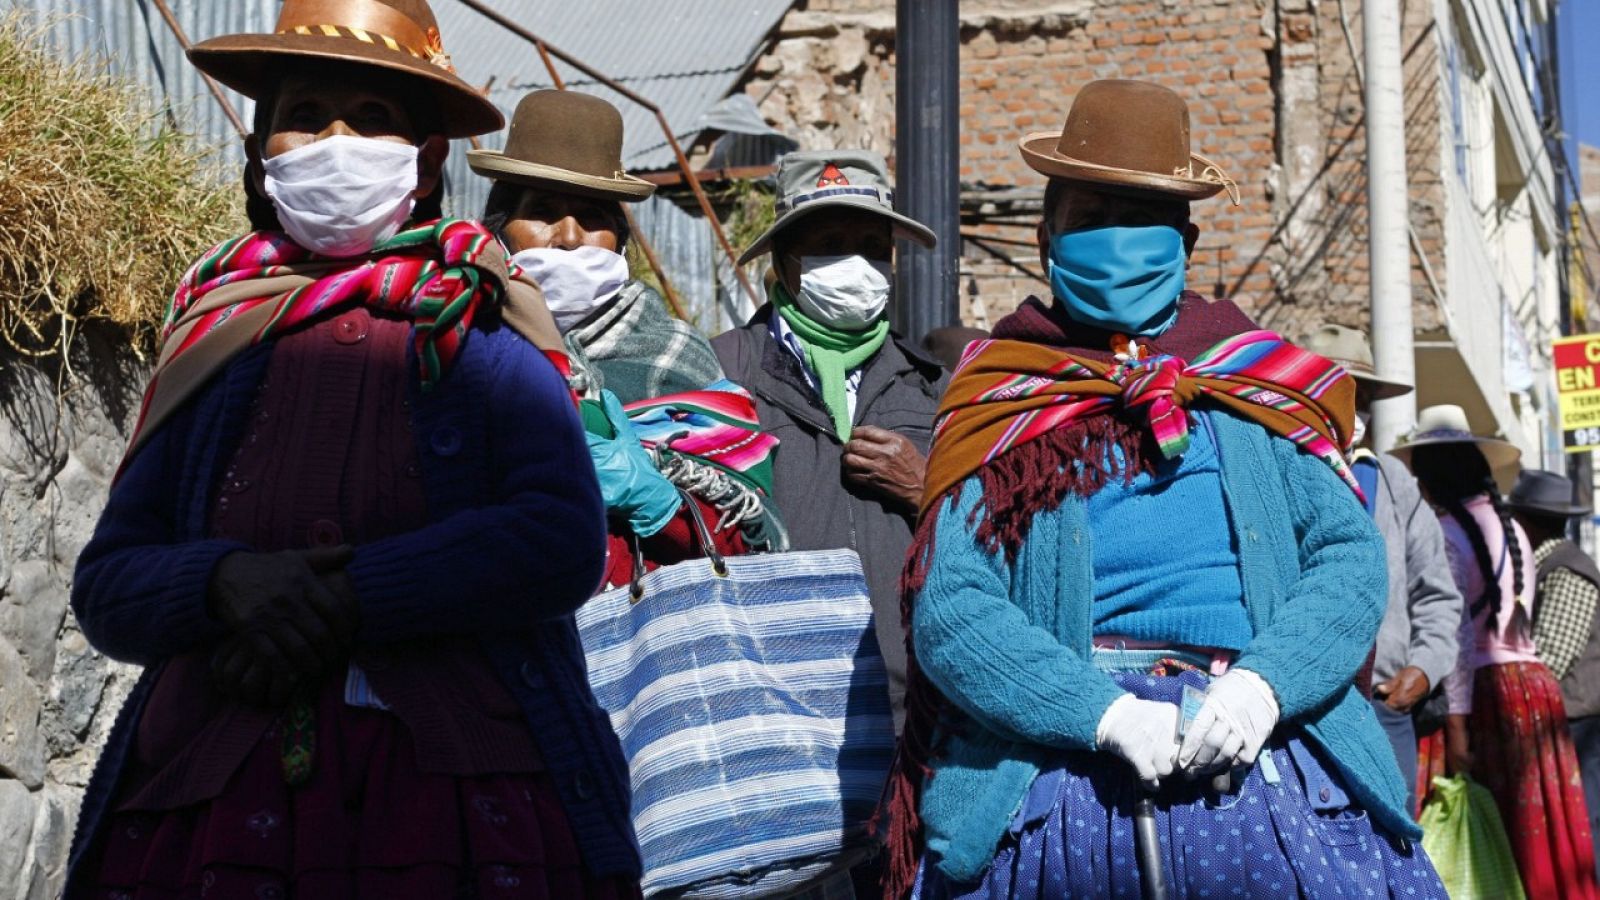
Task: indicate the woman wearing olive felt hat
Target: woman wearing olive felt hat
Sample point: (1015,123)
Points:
(1142,582)
(353,520)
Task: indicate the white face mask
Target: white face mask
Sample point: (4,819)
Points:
(1359,432)
(844,292)
(575,282)
(342,195)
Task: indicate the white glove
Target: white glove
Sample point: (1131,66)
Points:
(1143,732)
(1235,721)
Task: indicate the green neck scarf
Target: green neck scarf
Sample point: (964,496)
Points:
(831,354)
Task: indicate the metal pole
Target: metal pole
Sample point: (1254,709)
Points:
(547,50)
(216,89)
(927,162)
(1387,200)
(649,251)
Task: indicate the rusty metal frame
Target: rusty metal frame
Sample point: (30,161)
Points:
(546,51)
(211,83)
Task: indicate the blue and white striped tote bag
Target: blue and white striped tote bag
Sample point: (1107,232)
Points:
(753,707)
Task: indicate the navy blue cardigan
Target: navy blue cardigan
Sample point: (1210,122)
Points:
(515,543)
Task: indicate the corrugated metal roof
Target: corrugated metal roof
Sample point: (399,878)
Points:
(682,55)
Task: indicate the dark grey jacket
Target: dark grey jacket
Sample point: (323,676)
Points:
(1424,612)
(900,391)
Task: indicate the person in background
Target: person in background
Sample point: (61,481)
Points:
(1507,726)
(1566,601)
(354,520)
(1143,582)
(947,344)
(1416,645)
(556,204)
(851,402)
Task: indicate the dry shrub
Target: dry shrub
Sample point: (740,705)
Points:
(102,203)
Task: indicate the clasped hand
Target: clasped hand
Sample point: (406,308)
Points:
(1232,726)
(292,614)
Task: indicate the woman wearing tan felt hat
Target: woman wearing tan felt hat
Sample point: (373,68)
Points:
(351,526)
(556,204)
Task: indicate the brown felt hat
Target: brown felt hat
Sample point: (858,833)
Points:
(564,141)
(1127,134)
(397,35)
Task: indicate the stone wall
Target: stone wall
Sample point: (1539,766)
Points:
(1273,98)
(62,431)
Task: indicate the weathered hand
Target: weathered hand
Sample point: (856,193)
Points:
(1406,689)
(265,663)
(886,464)
(253,668)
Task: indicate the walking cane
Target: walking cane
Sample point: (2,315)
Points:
(1147,846)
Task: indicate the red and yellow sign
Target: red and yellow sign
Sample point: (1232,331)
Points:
(1577,362)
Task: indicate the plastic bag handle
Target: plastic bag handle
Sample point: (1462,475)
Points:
(702,532)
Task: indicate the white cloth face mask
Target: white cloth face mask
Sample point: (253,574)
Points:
(575,282)
(1358,433)
(844,292)
(343,195)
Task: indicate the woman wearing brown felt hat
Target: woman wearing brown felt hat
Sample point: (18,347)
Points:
(354,517)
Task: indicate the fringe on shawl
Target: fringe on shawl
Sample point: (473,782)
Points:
(1027,480)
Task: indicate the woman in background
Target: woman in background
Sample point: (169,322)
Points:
(1507,727)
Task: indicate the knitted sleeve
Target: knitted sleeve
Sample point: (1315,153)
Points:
(535,552)
(984,655)
(1327,619)
(139,591)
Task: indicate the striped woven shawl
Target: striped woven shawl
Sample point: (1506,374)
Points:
(1008,393)
(261,285)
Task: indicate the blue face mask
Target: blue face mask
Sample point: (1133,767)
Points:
(1119,278)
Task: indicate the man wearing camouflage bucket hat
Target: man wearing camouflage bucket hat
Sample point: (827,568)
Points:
(353,521)
(851,401)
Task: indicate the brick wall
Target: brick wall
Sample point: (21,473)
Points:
(1273,99)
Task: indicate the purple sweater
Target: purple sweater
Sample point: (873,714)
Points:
(515,543)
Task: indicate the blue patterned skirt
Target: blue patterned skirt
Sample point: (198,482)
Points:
(1287,829)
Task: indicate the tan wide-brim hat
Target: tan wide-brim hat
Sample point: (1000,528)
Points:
(1447,424)
(1349,348)
(564,141)
(396,35)
(1127,134)
(815,181)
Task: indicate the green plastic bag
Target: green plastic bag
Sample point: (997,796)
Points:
(1463,835)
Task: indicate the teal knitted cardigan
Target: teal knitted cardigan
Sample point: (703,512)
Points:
(1008,644)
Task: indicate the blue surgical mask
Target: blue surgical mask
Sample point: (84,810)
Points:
(1119,278)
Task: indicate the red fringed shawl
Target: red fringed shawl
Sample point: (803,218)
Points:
(1078,455)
